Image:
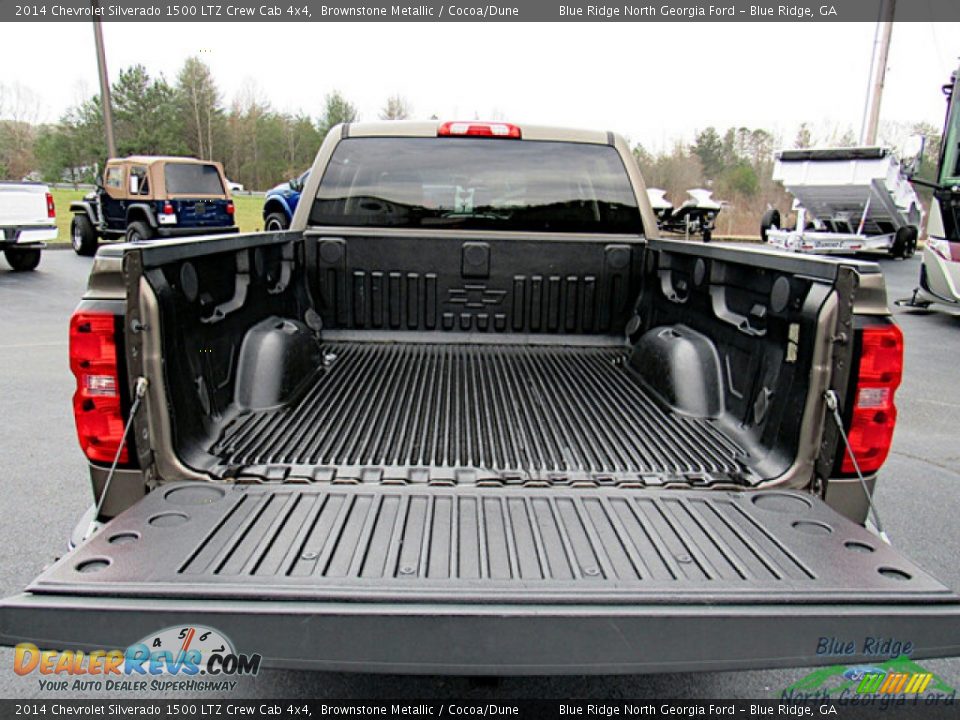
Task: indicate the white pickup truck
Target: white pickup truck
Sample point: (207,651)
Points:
(27,221)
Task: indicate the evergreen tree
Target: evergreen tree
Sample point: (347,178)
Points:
(146,117)
(709,148)
(336,110)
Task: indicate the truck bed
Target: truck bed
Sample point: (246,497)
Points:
(25,217)
(392,367)
(522,413)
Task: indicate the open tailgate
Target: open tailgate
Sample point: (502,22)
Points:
(490,580)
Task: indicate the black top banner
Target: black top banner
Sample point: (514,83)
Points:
(471,11)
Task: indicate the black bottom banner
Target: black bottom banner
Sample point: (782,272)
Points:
(859,707)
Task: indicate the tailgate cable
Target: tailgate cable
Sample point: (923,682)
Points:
(833,406)
(139,391)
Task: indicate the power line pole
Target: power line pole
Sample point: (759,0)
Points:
(881,53)
(104,82)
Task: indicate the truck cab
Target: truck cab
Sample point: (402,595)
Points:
(142,197)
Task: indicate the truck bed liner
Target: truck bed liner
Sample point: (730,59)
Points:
(523,412)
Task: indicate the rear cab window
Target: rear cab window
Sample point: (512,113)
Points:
(477,184)
(192,179)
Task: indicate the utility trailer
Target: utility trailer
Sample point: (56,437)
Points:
(848,200)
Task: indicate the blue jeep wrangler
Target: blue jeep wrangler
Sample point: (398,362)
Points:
(143,197)
(281,201)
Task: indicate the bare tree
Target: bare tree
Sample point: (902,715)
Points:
(840,137)
(19,112)
(250,109)
(199,102)
(19,104)
(397,108)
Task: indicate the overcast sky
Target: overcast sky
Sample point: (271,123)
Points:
(654,82)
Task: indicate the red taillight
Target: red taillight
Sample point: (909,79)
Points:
(51,209)
(874,413)
(96,402)
(481,129)
(230,208)
(168,208)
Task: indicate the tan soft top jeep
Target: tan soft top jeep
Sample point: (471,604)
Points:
(143,197)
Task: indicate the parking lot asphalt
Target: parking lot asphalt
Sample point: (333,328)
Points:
(44,489)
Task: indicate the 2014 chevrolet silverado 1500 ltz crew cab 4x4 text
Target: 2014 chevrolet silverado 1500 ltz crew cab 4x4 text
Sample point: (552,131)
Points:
(470,415)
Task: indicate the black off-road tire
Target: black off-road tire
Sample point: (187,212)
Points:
(83,236)
(138,231)
(770,219)
(904,242)
(275,222)
(22,259)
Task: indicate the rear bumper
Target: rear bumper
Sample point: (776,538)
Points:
(178,232)
(499,639)
(32,236)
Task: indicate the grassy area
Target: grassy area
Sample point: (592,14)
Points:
(62,200)
(249,208)
(249,212)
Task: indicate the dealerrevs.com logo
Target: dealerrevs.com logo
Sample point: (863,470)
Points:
(172,659)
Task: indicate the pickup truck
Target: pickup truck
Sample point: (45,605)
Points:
(470,415)
(28,218)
